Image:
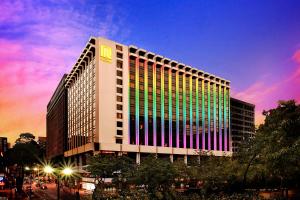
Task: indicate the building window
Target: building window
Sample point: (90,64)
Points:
(119,73)
(119,107)
(118,47)
(119,124)
(119,115)
(119,81)
(119,132)
(119,55)
(119,64)
(119,141)
(119,99)
(119,90)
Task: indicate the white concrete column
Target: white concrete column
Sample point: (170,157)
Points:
(138,158)
(171,158)
(185,159)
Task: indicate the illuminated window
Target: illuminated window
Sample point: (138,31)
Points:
(118,47)
(119,115)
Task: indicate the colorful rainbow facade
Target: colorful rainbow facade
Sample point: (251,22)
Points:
(174,105)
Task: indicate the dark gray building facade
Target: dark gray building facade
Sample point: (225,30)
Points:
(57,128)
(242,121)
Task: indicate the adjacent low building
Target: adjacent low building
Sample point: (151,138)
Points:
(242,122)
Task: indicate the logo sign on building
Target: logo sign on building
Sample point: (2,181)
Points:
(105,53)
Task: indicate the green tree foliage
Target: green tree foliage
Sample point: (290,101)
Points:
(156,176)
(25,138)
(119,168)
(272,157)
(25,151)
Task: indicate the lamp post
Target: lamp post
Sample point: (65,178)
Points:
(67,171)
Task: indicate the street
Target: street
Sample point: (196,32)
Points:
(51,192)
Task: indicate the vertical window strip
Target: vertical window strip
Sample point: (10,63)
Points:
(154,105)
(191,111)
(215,116)
(197,113)
(170,108)
(229,125)
(146,101)
(225,120)
(177,109)
(162,97)
(208,118)
(137,93)
(220,118)
(184,110)
(203,115)
(129,101)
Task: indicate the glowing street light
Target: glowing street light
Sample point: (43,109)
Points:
(27,168)
(60,172)
(67,171)
(48,169)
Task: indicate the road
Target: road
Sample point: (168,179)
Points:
(51,193)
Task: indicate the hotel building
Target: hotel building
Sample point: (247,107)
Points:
(242,122)
(126,100)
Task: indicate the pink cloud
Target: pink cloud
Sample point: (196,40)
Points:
(47,43)
(296,57)
(265,94)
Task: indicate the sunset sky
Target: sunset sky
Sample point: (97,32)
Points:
(254,44)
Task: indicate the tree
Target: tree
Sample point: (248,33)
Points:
(119,168)
(157,176)
(273,155)
(25,138)
(24,153)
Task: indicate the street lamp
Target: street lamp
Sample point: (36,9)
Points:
(66,171)
(48,169)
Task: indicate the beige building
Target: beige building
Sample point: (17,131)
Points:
(127,100)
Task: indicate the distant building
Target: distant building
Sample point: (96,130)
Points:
(3,144)
(242,121)
(42,140)
(57,121)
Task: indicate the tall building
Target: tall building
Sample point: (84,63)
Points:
(57,122)
(127,100)
(3,144)
(242,122)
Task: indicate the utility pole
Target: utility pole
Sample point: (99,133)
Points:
(58,187)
